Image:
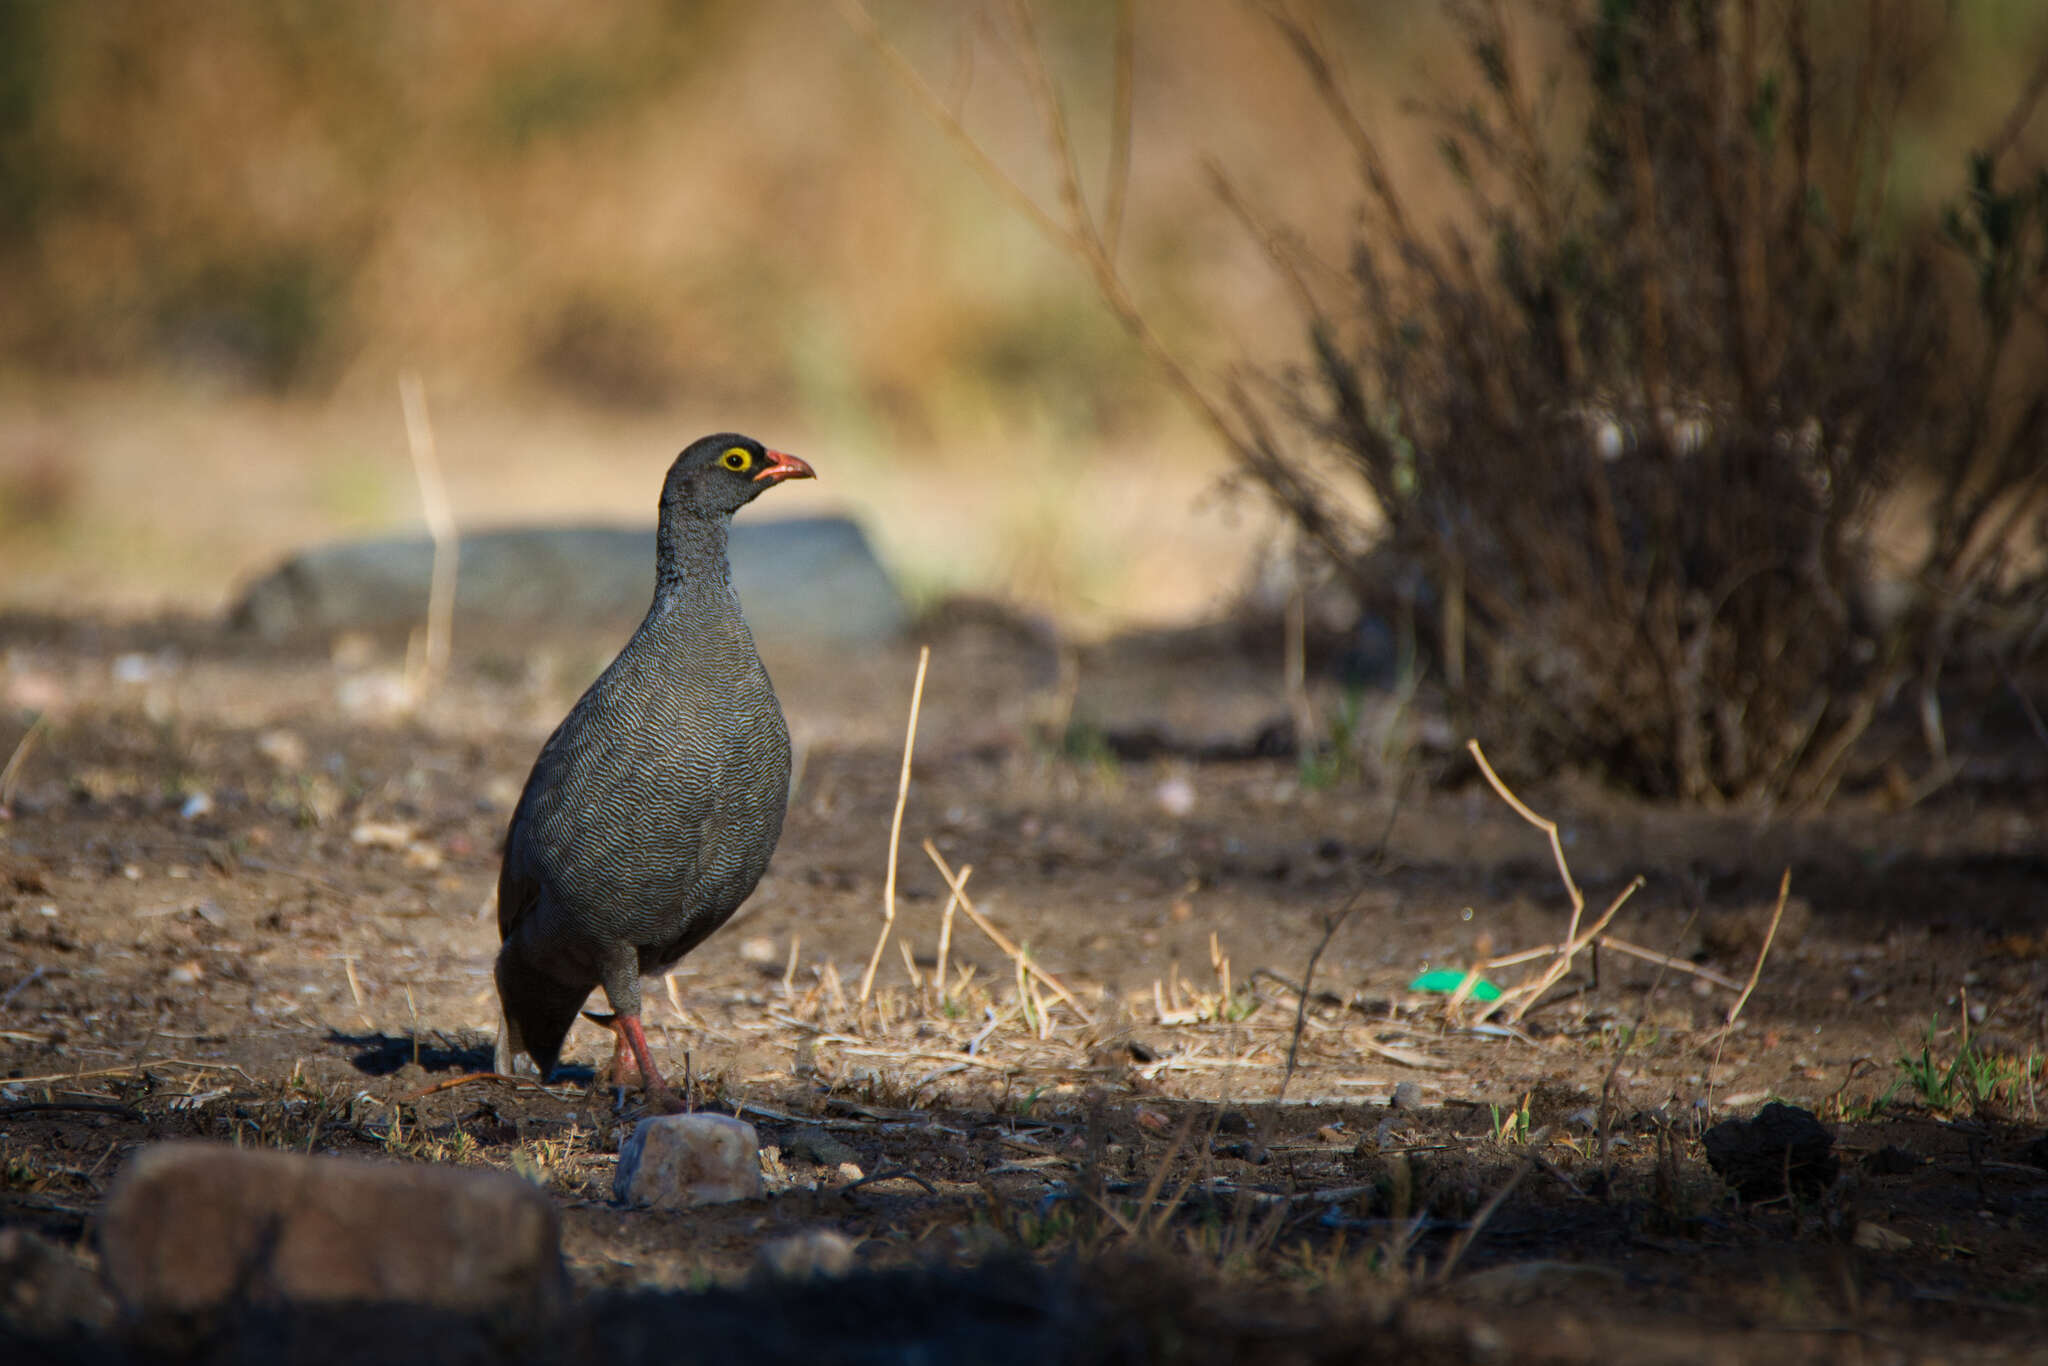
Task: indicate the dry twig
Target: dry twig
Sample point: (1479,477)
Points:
(1330,927)
(1518,1001)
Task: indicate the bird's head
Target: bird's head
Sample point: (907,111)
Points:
(718,475)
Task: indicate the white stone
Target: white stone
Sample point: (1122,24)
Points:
(682,1161)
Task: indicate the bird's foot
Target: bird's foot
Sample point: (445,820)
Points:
(632,1066)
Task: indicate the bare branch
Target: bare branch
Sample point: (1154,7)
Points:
(1120,127)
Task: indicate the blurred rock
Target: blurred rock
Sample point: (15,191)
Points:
(682,1161)
(193,1226)
(814,1254)
(811,578)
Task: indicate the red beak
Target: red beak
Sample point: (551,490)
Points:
(781,467)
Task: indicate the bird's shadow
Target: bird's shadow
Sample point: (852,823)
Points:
(379,1055)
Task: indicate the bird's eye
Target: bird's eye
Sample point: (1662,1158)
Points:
(736,459)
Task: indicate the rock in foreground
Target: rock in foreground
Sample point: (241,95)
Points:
(193,1226)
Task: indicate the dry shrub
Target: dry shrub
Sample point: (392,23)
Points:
(1632,418)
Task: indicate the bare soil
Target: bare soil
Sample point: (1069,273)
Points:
(245,894)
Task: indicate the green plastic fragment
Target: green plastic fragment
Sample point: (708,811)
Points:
(1444,981)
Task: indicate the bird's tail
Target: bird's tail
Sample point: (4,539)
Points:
(538,1011)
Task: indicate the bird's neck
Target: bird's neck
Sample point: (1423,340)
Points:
(689,557)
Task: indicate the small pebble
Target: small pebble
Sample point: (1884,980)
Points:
(1176,796)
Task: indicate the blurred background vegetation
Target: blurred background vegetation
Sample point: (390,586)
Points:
(597,230)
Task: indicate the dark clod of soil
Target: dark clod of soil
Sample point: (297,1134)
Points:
(2037,1152)
(1892,1160)
(1784,1149)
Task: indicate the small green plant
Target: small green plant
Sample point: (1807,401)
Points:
(18,1172)
(1511,1126)
(1337,758)
(1087,745)
(1967,1082)
(1856,1112)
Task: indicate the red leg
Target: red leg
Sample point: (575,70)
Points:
(631,1062)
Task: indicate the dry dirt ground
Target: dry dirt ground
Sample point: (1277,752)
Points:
(244,894)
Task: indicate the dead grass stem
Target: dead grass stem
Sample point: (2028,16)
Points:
(12,773)
(946,931)
(867,981)
(1002,941)
(1756,971)
(432,663)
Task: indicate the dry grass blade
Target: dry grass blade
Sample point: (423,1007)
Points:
(1756,971)
(440,517)
(867,981)
(1002,941)
(12,773)
(946,931)
(126,1068)
(471,1078)
(1608,941)
(1665,960)
(1406,1057)
(355,989)
(1159,1174)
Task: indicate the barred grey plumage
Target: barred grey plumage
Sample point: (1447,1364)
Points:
(653,809)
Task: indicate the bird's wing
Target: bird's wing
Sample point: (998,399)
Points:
(518,888)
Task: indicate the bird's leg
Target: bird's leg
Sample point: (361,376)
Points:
(630,1059)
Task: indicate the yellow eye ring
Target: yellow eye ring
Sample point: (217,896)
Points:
(736,459)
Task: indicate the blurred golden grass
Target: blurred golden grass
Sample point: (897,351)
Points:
(596,233)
